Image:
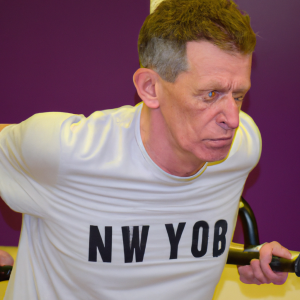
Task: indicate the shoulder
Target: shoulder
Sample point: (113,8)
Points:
(40,142)
(247,125)
(99,125)
(249,134)
(122,116)
(247,143)
(39,133)
(39,129)
(101,135)
(32,147)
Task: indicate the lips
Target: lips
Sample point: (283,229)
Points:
(221,139)
(220,142)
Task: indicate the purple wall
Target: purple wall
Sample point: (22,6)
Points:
(274,104)
(79,56)
(64,55)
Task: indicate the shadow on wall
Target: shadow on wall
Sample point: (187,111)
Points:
(11,218)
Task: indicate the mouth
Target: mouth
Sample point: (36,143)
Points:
(220,142)
(221,139)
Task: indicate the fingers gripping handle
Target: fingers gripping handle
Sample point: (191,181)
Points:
(237,256)
(286,265)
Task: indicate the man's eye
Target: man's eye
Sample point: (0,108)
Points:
(211,94)
(238,98)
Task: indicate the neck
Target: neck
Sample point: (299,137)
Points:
(162,148)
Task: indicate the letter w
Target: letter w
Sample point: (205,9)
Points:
(135,243)
(97,242)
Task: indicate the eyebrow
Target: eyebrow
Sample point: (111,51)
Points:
(216,85)
(242,90)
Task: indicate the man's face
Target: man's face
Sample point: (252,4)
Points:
(201,108)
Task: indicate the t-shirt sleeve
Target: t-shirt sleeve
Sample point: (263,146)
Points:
(251,137)
(30,161)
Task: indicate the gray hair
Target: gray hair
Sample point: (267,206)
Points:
(166,57)
(165,33)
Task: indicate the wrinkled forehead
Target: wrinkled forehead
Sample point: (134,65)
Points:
(216,68)
(205,57)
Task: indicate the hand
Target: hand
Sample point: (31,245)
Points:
(5,259)
(259,271)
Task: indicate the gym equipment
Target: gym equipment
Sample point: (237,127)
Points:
(243,254)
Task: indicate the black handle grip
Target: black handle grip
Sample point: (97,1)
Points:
(239,257)
(5,272)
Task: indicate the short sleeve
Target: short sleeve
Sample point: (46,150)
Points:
(30,159)
(252,137)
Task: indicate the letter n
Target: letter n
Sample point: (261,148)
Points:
(96,242)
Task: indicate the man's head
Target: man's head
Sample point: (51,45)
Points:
(165,33)
(197,65)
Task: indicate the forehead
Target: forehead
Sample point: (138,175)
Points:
(211,64)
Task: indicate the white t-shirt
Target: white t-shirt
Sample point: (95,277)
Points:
(103,221)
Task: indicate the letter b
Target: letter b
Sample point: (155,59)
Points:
(219,238)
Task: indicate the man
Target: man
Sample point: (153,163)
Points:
(141,202)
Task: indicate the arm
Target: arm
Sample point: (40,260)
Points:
(31,151)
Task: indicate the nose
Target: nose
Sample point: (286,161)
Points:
(228,117)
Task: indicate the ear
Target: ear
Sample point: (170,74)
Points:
(145,81)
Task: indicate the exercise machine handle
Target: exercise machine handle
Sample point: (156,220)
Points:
(238,256)
(5,272)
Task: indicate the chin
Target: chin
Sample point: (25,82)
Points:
(214,159)
(212,155)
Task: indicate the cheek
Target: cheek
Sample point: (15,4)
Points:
(186,115)
(202,118)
